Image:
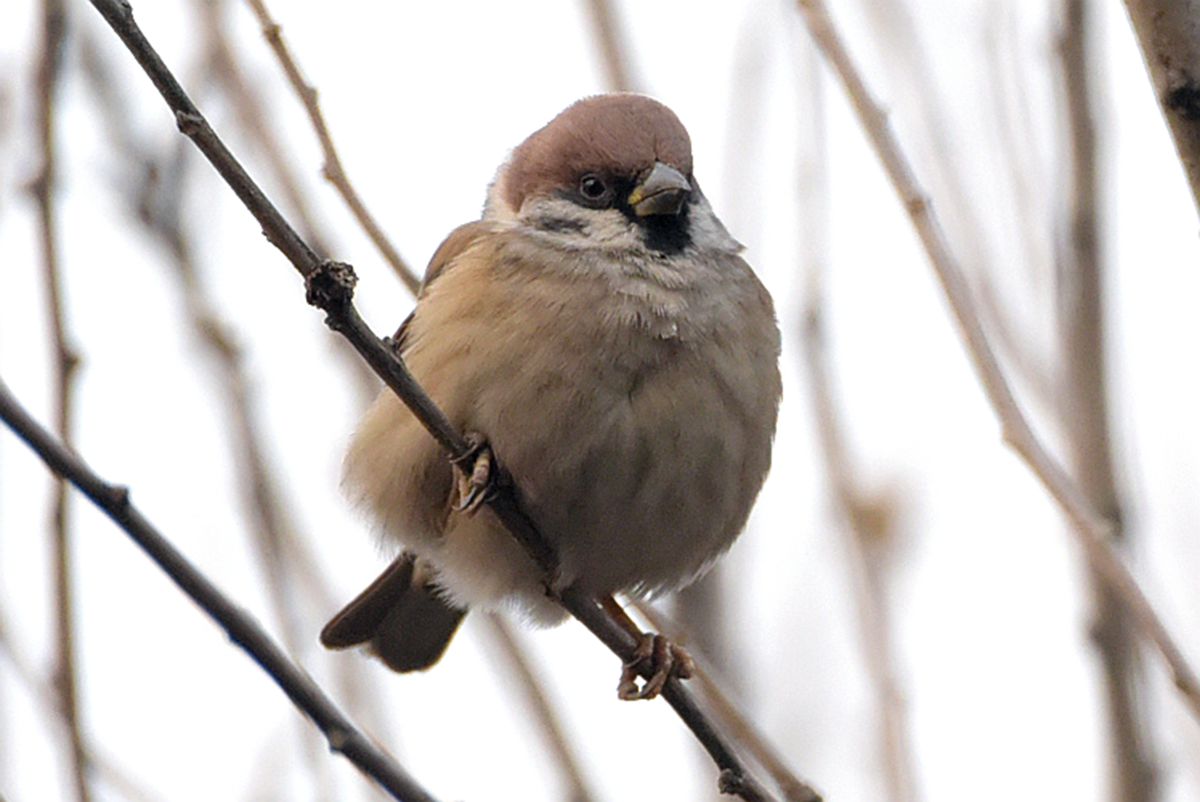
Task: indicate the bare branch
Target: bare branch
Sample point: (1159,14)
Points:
(332,170)
(243,630)
(614,52)
(1082,298)
(526,679)
(66,363)
(1169,34)
(1090,528)
(330,287)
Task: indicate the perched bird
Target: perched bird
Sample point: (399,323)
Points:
(599,333)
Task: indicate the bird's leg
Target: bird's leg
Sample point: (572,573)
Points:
(654,653)
(477,475)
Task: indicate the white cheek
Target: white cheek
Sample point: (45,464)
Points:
(496,207)
(597,228)
(613,229)
(708,233)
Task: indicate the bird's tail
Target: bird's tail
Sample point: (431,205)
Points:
(402,617)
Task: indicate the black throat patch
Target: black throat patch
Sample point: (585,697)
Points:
(666,233)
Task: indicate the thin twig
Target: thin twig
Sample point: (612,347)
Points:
(241,628)
(105,766)
(1090,528)
(1169,34)
(1082,295)
(528,682)
(867,519)
(332,170)
(614,49)
(66,363)
(730,715)
(330,288)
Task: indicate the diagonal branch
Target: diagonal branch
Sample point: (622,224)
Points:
(330,287)
(332,170)
(1169,34)
(242,629)
(1091,530)
(66,363)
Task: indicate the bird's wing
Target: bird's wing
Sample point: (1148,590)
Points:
(455,243)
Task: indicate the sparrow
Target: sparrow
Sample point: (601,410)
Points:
(602,339)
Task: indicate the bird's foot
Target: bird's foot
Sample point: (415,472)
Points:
(477,474)
(662,659)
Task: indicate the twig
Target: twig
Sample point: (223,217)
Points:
(1169,34)
(330,288)
(243,630)
(529,684)
(66,363)
(105,767)
(1082,300)
(332,170)
(1090,528)
(732,718)
(614,52)
(867,520)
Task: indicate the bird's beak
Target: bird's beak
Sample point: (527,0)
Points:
(663,191)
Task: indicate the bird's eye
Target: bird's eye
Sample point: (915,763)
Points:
(593,187)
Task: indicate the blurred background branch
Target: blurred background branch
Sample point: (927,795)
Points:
(867,519)
(44,188)
(333,170)
(343,737)
(1083,301)
(1091,529)
(615,55)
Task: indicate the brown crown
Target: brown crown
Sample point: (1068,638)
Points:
(618,134)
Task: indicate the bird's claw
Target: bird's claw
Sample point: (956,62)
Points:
(659,656)
(476,475)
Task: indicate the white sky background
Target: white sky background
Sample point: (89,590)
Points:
(424,103)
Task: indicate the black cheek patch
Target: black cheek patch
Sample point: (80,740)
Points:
(561,225)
